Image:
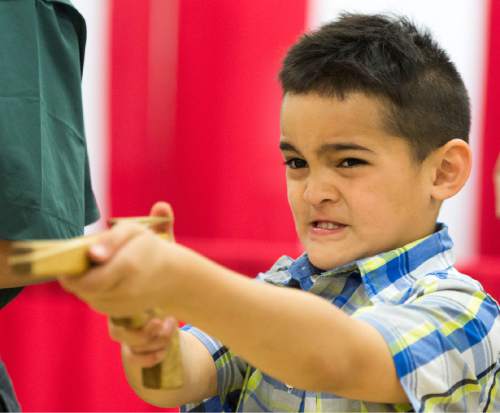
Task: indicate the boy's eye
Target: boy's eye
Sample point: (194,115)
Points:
(351,162)
(295,163)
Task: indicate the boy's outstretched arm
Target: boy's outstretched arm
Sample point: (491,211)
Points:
(294,336)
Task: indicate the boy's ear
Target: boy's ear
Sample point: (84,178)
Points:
(451,166)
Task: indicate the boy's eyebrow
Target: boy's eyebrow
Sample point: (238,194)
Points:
(327,147)
(285,146)
(338,147)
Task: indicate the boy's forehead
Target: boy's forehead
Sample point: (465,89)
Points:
(322,125)
(355,110)
(326,119)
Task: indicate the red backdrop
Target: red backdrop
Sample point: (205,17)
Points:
(210,147)
(486,266)
(489,224)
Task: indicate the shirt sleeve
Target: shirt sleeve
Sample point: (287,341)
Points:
(45,183)
(445,345)
(231,371)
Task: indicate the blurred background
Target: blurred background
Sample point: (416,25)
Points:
(182,104)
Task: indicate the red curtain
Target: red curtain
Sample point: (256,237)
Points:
(211,148)
(486,267)
(489,224)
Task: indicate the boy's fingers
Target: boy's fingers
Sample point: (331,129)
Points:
(112,240)
(159,344)
(158,327)
(168,325)
(153,336)
(144,360)
(132,337)
(122,335)
(153,327)
(163,209)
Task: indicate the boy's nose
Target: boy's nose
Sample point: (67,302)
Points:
(318,192)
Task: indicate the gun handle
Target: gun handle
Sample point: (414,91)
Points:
(169,373)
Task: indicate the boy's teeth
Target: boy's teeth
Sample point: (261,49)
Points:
(326,225)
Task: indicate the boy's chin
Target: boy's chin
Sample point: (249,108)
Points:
(325,263)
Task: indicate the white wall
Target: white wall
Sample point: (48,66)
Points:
(459,26)
(95,105)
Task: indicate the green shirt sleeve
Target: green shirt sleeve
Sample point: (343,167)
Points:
(45,186)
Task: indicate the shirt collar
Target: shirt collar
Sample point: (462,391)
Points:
(396,267)
(302,271)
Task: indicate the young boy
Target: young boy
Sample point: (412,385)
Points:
(374,127)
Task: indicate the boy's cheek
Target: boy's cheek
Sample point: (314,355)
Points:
(300,226)
(295,198)
(295,211)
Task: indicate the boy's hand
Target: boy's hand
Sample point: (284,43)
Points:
(147,346)
(132,267)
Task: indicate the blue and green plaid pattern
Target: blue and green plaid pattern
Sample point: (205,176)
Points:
(442,329)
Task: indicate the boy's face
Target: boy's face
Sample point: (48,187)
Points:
(354,189)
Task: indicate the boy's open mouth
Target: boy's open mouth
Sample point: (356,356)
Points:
(322,228)
(327,225)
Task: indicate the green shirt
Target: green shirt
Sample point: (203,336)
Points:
(45,189)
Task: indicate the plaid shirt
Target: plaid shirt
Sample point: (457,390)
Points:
(442,328)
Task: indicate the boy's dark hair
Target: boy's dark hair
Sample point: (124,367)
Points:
(389,58)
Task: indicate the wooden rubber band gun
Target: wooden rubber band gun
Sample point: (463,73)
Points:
(44,259)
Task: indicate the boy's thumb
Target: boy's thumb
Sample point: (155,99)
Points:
(112,240)
(163,209)
(99,252)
